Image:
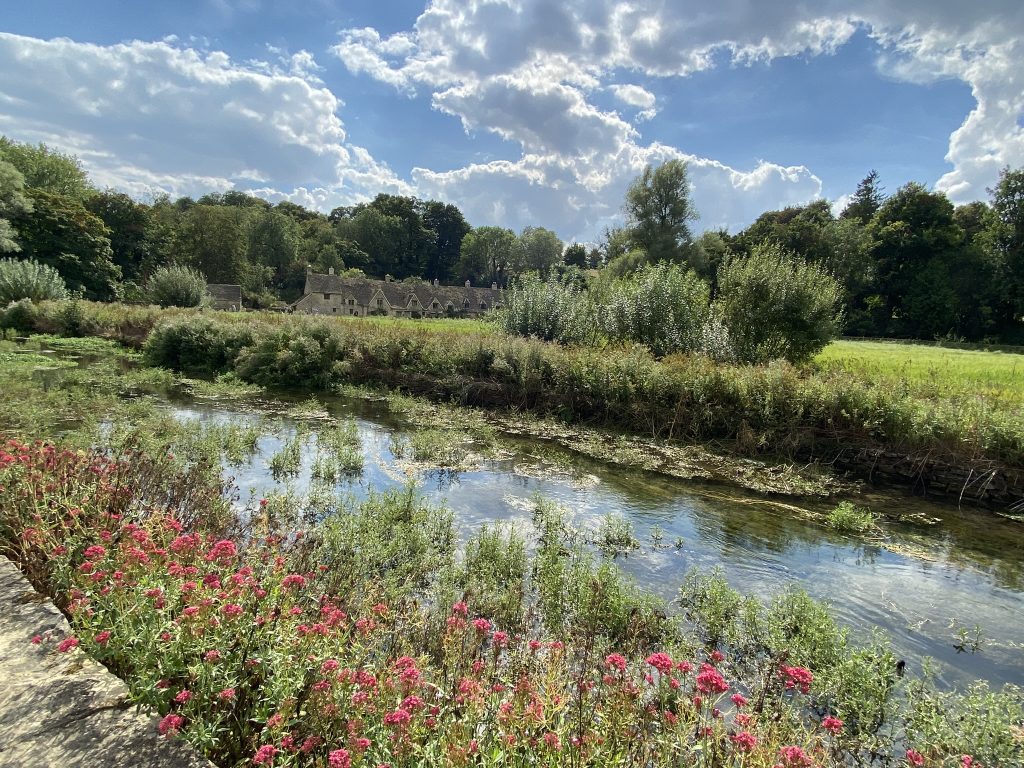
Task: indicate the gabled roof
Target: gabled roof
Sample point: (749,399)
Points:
(399,294)
(225,292)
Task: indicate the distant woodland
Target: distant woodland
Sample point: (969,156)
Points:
(910,263)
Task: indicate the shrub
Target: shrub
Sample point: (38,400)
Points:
(28,279)
(552,310)
(776,305)
(177,286)
(662,306)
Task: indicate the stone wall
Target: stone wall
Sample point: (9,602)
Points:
(59,710)
(990,485)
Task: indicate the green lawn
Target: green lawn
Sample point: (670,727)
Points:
(932,371)
(456,324)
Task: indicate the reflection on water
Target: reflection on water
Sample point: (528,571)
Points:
(967,572)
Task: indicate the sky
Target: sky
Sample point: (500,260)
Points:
(521,112)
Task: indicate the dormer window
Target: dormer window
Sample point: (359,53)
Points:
(380,303)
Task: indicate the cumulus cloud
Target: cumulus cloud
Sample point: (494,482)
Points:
(528,71)
(151,117)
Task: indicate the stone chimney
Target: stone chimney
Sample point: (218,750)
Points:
(330,271)
(388,278)
(435,282)
(467,283)
(494,286)
(309,269)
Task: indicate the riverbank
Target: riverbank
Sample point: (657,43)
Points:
(64,709)
(938,446)
(362,638)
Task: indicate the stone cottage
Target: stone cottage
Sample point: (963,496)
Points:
(224,296)
(332,294)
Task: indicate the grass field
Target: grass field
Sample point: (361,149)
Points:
(931,371)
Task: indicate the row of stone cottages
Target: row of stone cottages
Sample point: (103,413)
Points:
(332,294)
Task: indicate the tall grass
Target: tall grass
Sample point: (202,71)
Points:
(775,409)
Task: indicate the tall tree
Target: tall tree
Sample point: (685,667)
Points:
(214,239)
(12,203)
(60,232)
(128,222)
(1008,205)
(488,254)
(47,169)
(450,229)
(576,256)
(540,250)
(866,200)
(916,242)
(659,211)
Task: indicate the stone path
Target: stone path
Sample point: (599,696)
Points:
(64,710)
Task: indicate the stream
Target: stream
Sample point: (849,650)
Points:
(931,588)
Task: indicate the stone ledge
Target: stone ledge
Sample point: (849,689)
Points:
(64,709)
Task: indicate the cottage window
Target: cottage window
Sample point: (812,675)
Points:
(327,297)
(435,305)
(351,302)
(380,302)
(483,305)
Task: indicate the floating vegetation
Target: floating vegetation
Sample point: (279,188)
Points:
(850,518)
(340,452)
(615,535)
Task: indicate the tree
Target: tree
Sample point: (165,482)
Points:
(47,169)
(12,203)
(413,239)
(450,229)
(576,256)
(273,242)
(27,279)
(866,200)
(916,242)
(540,250)
(777,305)
(658,211)
(488,253)
(214,239)
(128,222)
(62,233)
(1008,205)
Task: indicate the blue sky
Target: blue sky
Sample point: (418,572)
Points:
(522,112)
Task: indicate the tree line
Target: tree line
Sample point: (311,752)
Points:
(910,264)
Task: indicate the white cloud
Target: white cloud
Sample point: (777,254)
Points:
(151,117)
(527,71)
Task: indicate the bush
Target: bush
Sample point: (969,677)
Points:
(28,279)
(552,310)
(177,286)
(776,305)
(662,306)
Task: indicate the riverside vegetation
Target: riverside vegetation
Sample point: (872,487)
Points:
(775,409)
(364,637)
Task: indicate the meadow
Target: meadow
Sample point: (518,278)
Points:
(932,371)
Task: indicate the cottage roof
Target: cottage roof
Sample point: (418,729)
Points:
(399,294)
(225,292)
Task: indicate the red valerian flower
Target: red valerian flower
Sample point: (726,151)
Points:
(710,680)
(914,757)
(293,580)
(264,755)
(797,677)
(170,724)
(744,741)
(832,724)
(795,757)
(481,625)
(339,758)
(739,700)
(67,644)
(661,662)
(616,661)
